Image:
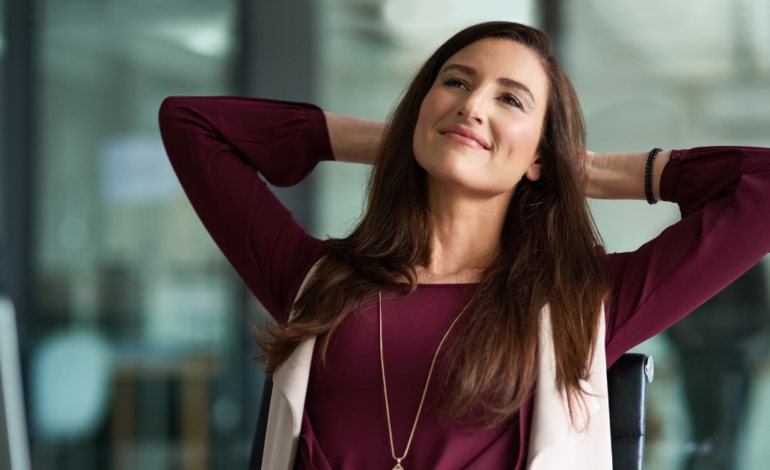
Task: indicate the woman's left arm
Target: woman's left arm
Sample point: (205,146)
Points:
(724,196)
(621,175)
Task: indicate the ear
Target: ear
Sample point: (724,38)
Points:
(534,170)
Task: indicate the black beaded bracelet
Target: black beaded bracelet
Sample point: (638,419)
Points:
(648,176)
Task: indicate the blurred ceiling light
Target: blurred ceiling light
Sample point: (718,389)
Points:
(421,23)
(413,16)
(211,39)
(416,15)
(211,42)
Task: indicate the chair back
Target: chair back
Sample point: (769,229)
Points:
(258,446)
(627,381)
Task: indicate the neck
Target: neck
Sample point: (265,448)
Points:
(466,230)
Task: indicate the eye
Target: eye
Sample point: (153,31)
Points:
(455,82)
(508,99)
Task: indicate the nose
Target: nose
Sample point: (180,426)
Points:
(471,109)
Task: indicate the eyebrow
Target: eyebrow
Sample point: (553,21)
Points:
(502,80)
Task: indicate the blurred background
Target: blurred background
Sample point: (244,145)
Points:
(134,328)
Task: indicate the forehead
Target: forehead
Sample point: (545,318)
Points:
(495,58)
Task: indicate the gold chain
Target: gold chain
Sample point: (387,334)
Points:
(424,392)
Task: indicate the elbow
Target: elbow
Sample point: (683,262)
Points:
(178,113)
(169,111)
(174,126)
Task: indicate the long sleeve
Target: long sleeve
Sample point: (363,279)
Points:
(218,147)
(724,196)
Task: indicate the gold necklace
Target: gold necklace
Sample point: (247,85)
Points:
(424,392)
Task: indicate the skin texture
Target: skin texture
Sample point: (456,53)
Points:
(470,187)
(508,118)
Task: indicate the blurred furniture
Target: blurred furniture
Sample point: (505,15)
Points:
(627,381)
(717,347)
(193,373)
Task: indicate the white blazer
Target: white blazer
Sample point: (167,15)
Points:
(554,442)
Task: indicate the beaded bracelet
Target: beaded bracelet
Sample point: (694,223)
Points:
(648,176)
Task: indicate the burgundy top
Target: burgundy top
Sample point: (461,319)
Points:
(220,145)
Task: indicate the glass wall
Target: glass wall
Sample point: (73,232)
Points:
(139,335)
(685,74)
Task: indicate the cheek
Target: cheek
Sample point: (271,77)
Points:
(521,141)
(430,112)
(434,101)
(436,106)
(519,144)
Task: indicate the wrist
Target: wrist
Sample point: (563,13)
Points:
(621,175)
(657,171)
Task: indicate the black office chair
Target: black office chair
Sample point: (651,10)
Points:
(627,381)
(258,446)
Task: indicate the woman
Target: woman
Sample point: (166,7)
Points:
(476,252)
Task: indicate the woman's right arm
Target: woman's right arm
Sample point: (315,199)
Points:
(218,147)
(353,139)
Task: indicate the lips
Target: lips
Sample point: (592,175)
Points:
(463,132)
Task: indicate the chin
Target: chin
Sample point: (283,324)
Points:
(457,176)
(457,168)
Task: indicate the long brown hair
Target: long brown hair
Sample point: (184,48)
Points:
(551,253)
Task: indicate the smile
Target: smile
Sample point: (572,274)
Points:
(464,136)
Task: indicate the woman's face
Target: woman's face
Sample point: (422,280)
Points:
(480,124)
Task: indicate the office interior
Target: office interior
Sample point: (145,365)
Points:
(134,329)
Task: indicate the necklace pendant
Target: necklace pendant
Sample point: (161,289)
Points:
(398,467)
